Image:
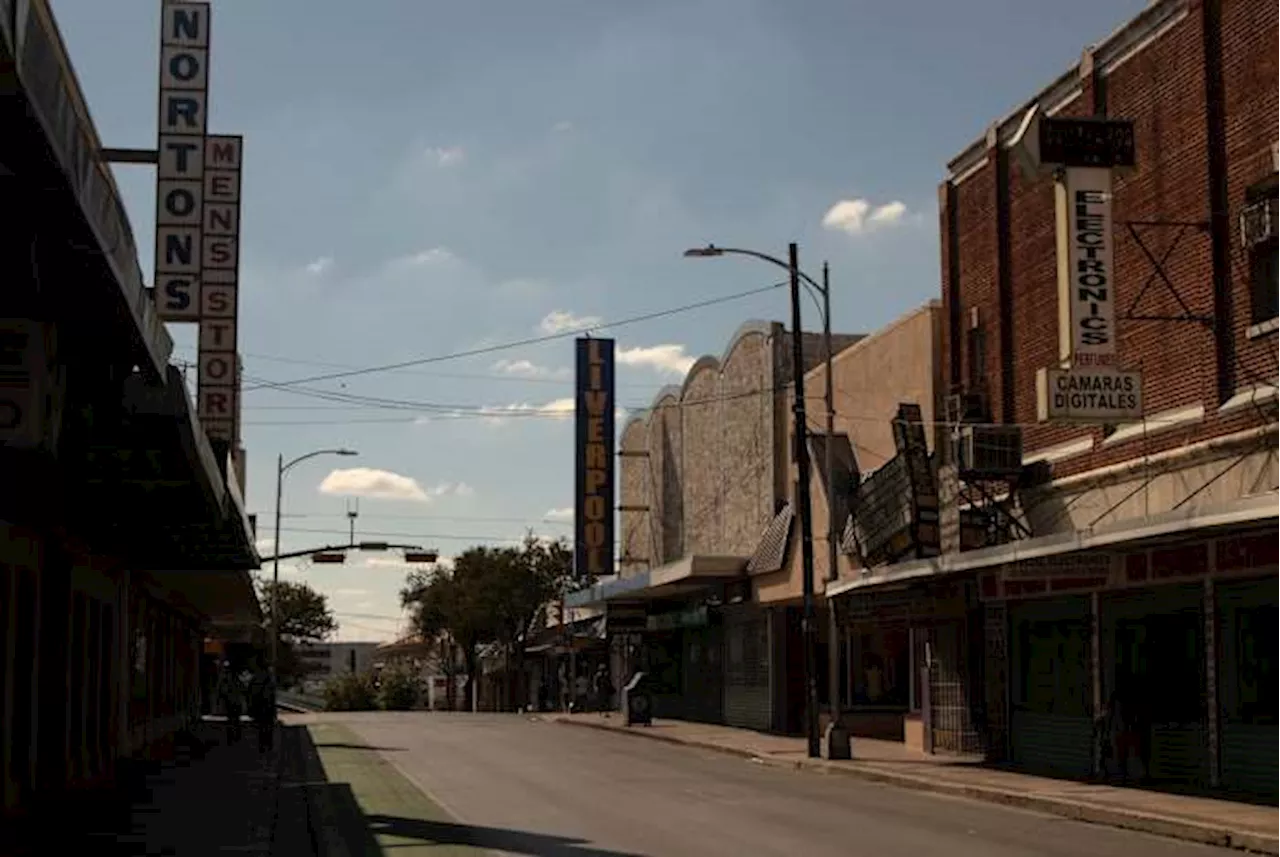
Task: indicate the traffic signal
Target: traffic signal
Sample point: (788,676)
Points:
(329,557)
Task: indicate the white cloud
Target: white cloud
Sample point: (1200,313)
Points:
(561,321)
(319,266)
(369,482)
(446,156)
(565,514)
(528,369)
(458,489)
(349,593)
(859,216)
(266,547)
(668,359)
(430,256)
(557,409)
(385,562)
(564,126)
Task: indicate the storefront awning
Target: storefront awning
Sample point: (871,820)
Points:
(53,139)
(150,490)
(1246,511)
(690,574)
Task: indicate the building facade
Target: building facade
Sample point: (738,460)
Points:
(1093,566)
(708,598)
(122,533)
(323,661)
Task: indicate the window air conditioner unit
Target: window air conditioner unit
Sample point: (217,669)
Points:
(989,452)
(966,407)
(1258,222)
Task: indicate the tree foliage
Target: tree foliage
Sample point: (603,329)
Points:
(490,595)
(304,617)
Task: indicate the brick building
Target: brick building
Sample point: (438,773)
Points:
(1136,560)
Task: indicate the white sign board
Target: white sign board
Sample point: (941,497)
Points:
(219,376)
(183,121)
(1088,395)
(1086,268)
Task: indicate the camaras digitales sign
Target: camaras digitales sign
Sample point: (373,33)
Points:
(594,449)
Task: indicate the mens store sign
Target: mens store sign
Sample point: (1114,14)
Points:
(218,394)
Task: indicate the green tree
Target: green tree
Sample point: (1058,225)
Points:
(490,595)
(398,689)
(304,617)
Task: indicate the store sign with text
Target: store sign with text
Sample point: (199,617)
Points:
(219,385)
(1088,395)
(1087,285)
(180,146)
(594,451)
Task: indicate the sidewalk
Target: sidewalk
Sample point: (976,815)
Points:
(221,800)
(225,802)
(1215,822)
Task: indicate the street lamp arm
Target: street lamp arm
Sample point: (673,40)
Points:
(302,458)
(712,250)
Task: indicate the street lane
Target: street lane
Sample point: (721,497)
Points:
(623,795)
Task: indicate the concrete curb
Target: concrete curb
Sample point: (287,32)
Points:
(1173,828)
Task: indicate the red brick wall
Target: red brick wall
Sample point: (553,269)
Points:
(1162,88)
(1250,71)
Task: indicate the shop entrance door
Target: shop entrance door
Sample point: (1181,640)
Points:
(1160,650)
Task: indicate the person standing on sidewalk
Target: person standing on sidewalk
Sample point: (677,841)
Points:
(262,705)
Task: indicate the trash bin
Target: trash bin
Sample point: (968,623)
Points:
(637,701)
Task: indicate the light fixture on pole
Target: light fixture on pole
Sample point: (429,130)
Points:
(281,468)
(810,630)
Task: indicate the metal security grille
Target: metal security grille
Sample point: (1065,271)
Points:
(952,721)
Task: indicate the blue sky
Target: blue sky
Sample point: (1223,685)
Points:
(423,178)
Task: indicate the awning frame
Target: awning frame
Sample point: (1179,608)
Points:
(1245,511)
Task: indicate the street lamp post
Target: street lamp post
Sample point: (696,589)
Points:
(281,468)
(810,628)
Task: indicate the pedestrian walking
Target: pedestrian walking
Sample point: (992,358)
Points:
(603,688)
(231,695)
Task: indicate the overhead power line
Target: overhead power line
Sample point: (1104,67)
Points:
(521,343)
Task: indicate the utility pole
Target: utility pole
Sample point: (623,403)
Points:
(809,629)
(275,573)
(837,736)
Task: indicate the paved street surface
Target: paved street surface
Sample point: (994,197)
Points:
(517,785)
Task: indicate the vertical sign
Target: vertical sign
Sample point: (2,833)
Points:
(219,280)
(183,122)
(594,416)
(1086,280)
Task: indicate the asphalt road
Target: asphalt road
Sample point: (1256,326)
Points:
(532,787)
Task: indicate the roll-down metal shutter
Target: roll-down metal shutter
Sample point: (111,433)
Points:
(747,696)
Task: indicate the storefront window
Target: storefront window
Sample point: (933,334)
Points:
(882,672)
(1256,653)
(1055,668)
(1164,656)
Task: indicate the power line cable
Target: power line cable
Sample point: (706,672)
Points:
(522,343)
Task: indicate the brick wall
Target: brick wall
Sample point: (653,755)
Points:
(1153,72)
